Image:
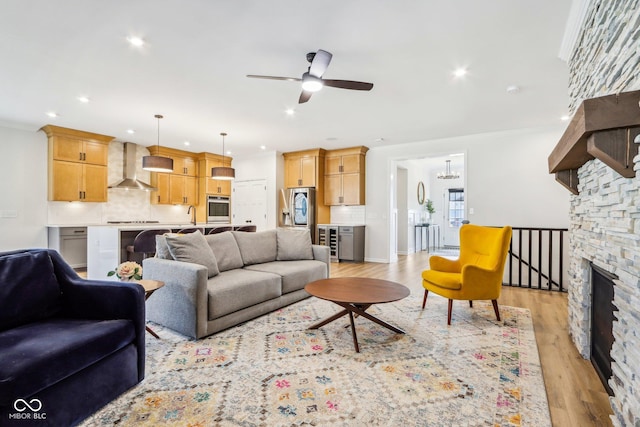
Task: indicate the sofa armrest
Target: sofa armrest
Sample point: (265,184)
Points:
(181,304)
(322,253)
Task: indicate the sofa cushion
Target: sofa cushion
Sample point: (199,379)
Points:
(193,247)
(162,248)
(29,289)
(39,354)
(226,250)
(294,244)
(295,274)
(234,290)
(257,247)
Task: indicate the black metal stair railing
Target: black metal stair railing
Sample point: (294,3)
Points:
(536,258)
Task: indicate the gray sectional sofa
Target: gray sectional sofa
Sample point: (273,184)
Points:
(217,281)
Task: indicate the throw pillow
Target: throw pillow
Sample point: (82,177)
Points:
(193,247)
(226,250)
(257,247)
(294,244)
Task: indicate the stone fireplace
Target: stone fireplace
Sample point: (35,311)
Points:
(604,228)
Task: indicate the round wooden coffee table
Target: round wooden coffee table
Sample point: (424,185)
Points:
(356,294)
(150,286)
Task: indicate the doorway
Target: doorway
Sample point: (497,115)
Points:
(249,203)
(454,214)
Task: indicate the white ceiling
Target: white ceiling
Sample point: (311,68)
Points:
(197,53)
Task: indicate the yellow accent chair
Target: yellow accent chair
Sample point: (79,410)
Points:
(476,274)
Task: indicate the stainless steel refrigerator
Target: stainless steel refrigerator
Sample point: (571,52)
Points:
(298,209)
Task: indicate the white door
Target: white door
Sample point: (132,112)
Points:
(249,203)
(453,216)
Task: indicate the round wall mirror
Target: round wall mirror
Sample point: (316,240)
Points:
(420,193)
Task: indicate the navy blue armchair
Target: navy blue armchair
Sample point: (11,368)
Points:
(68,346)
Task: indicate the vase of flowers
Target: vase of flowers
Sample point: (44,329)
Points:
(127,271)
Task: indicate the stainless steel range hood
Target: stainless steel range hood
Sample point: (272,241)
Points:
(130,182)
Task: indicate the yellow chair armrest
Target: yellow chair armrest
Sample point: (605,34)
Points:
(439,263)
(481,283)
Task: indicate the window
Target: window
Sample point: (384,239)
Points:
(456,207)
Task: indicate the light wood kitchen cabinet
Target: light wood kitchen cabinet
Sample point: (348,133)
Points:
(179,187)
(301,168)
(345,179)
(77,165)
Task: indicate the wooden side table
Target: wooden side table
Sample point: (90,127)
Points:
(150,286)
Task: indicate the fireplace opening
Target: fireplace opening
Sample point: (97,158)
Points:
(602,317)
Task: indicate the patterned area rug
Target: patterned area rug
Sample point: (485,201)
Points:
(272,371)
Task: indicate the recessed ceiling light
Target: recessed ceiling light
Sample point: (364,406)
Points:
(228,152)
(564,118)
(460,72)
(52,114)
(187,143)
(290,111)
(263,147)
(135,41)
(513,89)
(131,131)
(379,140)
(331,138)
(83,99)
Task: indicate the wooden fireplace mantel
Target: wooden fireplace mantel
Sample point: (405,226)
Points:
(602,128)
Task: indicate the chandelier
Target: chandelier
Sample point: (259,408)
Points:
(447,174)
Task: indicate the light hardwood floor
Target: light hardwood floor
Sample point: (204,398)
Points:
(576,396)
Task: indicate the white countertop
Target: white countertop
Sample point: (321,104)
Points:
(341,225)
(141,225)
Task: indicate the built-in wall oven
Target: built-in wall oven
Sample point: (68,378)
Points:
(218,209)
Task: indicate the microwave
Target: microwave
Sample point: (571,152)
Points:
(218,209)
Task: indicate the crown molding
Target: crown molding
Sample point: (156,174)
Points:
(573,27)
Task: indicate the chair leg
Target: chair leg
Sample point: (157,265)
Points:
(495,308)
(471,303)
(449,314)
(424,300)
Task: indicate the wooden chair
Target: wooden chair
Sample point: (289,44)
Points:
(476,274)
(251,228)
(191,230)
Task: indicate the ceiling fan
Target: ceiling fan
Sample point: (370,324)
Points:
(312,80)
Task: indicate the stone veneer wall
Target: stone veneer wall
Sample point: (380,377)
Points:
(605,216)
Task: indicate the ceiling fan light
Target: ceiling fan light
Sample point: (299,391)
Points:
(311,83)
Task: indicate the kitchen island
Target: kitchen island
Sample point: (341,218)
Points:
(107,244)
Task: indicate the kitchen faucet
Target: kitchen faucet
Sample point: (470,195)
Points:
(193,217)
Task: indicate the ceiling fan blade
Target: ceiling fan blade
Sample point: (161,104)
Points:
(304,97)
(320,63)
(348,84)
(291,79)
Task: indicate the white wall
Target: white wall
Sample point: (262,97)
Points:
(23,189)
(507,181)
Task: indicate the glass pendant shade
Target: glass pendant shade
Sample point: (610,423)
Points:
(224,173)
(157,163)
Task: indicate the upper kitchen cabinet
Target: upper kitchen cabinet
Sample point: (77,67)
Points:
(210,186)
(77,165)
(344,176)
(303,168)
(179,187)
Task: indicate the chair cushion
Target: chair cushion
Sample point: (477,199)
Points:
(193,247)
(225,248)
(234,290)
(443,280)
(295,274)
(39,354)
(294,244)
(29,289)
(258,247)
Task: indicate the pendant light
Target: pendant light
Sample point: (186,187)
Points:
(157,163)
(223,172)
(447,174)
